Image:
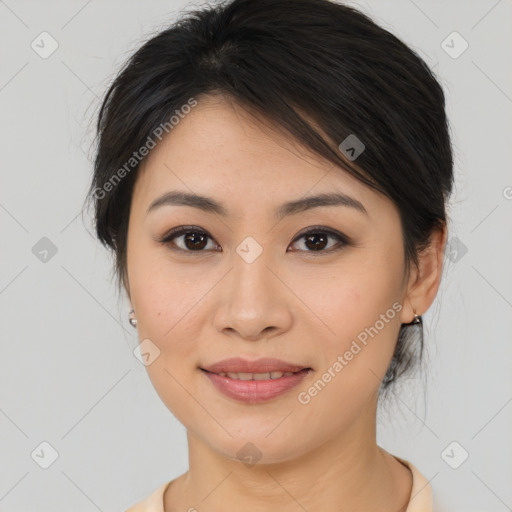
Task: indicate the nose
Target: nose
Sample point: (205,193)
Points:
(253,301)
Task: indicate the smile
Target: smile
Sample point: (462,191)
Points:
(255,388)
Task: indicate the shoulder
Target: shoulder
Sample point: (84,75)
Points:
(152,503)
(421,492)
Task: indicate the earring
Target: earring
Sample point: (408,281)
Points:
(132,319)
(417,319)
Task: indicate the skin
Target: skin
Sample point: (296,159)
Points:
(291,303)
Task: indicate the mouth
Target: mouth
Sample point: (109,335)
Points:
(260,369)
(257,376)
(252,387)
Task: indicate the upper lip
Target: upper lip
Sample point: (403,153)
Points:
(263,365)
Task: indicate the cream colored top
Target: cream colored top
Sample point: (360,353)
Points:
(420,500)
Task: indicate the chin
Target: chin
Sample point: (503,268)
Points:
(257,447)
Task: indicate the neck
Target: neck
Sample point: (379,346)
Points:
(347,472)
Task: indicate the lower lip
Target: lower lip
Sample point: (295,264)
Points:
(255,391)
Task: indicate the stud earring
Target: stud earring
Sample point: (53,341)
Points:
(417,319)
(132,319)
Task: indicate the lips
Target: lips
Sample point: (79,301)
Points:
(255,391)
(263,365)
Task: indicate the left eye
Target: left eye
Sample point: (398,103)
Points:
(317,239)
(195,239)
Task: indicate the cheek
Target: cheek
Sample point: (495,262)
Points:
(170,300)
(357,306)
(166,303)
(350,297)
(363,315)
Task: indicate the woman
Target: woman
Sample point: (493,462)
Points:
(272,177)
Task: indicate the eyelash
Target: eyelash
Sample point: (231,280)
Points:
(183,230)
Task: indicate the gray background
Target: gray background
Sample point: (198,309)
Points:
(68,376)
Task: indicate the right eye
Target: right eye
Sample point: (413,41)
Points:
(194,239)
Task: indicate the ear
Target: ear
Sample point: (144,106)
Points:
(424,281)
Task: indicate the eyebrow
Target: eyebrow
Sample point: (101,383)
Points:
(210,205)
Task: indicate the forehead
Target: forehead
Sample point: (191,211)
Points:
(219,149)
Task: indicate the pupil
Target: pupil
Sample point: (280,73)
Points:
(191,237)
(316,237)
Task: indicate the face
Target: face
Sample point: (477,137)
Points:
(320,287)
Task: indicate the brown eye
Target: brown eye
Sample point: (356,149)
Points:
(192,239)
(316,240)
(195,241)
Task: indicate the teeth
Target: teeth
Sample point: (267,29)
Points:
(255,376)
